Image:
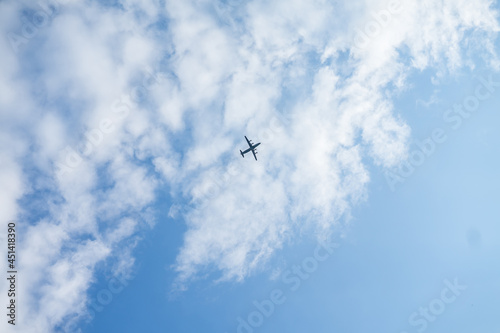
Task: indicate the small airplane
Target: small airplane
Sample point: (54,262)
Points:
(252,149)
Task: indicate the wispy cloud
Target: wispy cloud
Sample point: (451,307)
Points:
(311,173)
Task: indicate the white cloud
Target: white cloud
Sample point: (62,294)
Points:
(334,122)
(79,77)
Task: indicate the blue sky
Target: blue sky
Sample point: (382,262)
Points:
(372,208)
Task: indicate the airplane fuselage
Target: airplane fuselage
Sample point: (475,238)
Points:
(251,149)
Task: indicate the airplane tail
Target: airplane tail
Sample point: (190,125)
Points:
(242,154)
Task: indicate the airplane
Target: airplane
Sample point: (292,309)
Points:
(252,149)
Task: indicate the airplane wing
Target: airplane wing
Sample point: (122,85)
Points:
(254,154)
(248,141)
